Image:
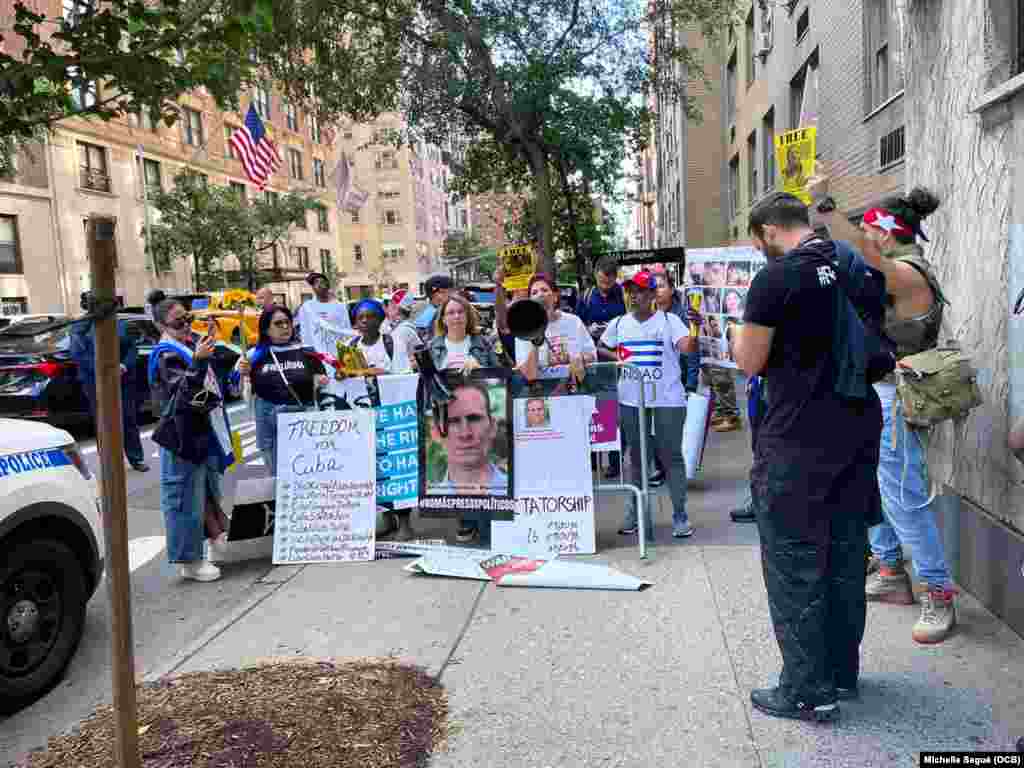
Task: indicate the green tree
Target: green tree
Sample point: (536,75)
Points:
(459,249)
(109,59)
(205,223)
(524,75)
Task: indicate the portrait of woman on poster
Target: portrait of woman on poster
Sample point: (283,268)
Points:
(712,302)
(696,271)
(734,302)
(738,274)
(714,274)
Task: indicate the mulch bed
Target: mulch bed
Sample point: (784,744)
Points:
(294,714)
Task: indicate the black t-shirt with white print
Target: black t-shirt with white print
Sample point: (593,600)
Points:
(299,365)
(795,295)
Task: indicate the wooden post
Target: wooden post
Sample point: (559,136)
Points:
(110,437)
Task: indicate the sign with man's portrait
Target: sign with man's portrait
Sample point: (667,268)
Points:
(465,449)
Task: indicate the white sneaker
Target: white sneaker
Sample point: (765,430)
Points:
(201,570)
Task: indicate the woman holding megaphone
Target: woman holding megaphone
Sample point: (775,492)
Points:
(565,340)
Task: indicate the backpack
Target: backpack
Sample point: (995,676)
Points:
(937,385)
(864,288)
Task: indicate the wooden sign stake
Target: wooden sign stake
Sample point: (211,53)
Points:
(113,492)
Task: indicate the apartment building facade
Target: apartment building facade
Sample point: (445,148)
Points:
(845,56)
(684,172)
(89,167)
(397,238)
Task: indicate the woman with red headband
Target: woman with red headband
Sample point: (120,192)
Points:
(914,315)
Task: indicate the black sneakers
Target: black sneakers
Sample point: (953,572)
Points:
(779,703)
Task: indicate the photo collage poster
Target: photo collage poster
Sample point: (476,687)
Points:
(720,277)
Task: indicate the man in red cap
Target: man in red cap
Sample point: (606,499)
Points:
(650,342)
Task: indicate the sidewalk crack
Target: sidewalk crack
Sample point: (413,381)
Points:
(462,633)
(732,662)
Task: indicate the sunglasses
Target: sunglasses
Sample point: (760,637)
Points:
(181,323)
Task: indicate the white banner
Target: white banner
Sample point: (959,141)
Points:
(554,486)
(521,571)
(324,340)
(326,487)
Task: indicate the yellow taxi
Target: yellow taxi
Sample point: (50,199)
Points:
(230,309)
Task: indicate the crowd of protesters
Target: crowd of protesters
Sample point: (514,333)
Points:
(837,473)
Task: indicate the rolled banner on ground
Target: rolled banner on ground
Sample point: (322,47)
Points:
(521,570)
(695,432)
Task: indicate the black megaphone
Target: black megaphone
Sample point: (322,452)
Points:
(527,320)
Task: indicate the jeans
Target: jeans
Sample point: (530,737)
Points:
(129,418)
(909,517)
(184,488)
(266,429)
(667,444)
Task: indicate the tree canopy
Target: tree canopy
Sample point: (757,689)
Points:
(548,83)
(206,223)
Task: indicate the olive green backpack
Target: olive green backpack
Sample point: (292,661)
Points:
(937,385)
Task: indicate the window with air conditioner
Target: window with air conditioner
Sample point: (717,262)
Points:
(734,186)
(92,161)
(357,253)
(391,218)
(891,148)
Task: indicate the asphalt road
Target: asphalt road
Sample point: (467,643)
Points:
(168,613)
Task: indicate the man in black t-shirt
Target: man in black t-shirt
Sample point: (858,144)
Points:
(814,479)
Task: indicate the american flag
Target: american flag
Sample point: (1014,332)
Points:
(258,154)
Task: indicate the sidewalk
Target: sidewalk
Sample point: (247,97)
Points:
(662,677)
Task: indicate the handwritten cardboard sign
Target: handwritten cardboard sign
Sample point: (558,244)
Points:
(326,487)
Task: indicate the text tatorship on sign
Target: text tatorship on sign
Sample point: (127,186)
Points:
(554,487)
(397,441)
(326,487)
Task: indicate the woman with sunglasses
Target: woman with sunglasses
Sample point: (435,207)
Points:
(285,377)
(190,477)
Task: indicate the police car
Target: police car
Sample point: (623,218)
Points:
(50,556)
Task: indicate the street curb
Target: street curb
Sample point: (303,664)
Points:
(219,628)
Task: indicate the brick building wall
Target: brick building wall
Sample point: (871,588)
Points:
(833,37)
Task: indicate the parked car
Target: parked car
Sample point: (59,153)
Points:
(482,297)
(7,322)
(51,557)
(39,380)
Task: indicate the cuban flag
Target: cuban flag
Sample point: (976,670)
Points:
(643,354)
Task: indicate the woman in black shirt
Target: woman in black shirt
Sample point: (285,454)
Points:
(285,376)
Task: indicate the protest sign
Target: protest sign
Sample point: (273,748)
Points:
(554,487)
(521,570)
(326,506)
(324,340)
(519,263)
(794,154)
(465,448)
(397,444)
(720,277)
(602,383)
